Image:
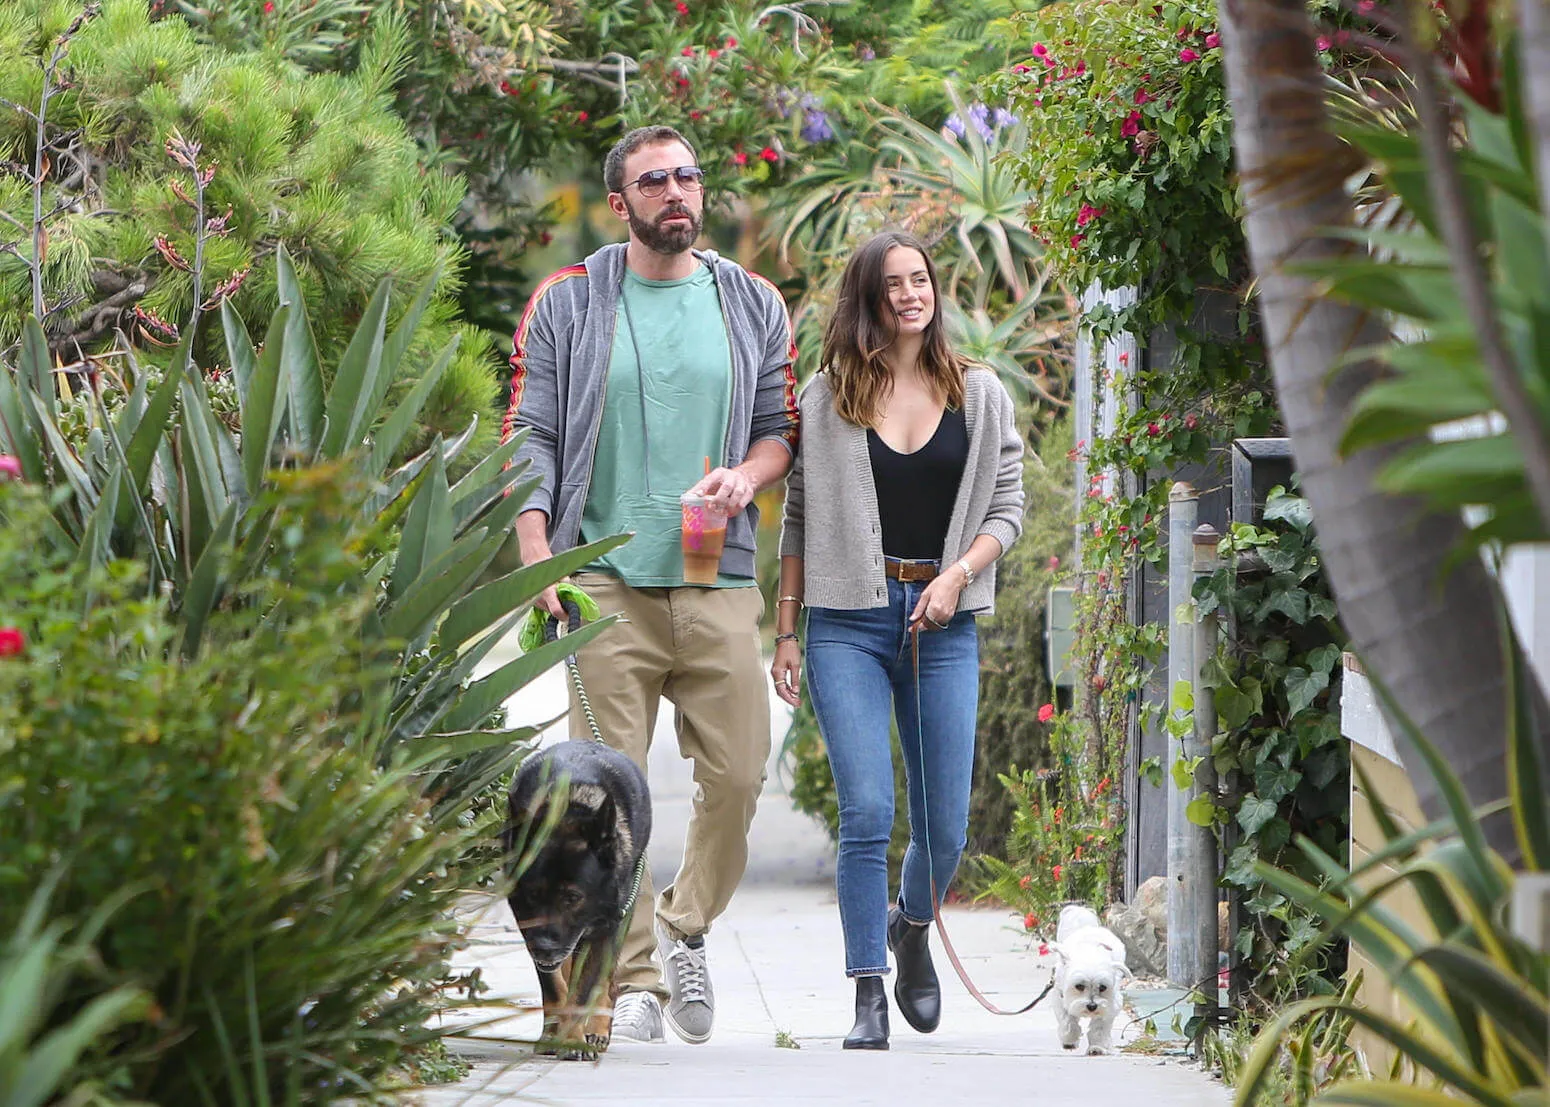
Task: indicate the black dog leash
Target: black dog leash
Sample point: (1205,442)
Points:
(552,634)
(936,910)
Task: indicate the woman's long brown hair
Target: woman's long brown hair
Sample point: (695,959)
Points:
(864,326)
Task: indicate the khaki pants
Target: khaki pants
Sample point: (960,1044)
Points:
(698,648)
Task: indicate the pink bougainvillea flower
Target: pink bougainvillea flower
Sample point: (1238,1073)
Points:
(1188,55)
(1132,125)
(1046,713)
(1054,562)
(1322,42)
(10,467)
(13,643)
(1087,213)
(1040,50)
(1153,430)
(1213,40)
(1190,422)
(1142,97)
(1019,69)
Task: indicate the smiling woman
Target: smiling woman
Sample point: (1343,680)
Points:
(882,551)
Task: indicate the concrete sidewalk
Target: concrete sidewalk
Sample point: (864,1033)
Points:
(777,965)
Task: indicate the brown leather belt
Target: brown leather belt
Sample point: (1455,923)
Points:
(908,572)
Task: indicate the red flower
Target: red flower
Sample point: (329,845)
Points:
(681,8)
(1040,50)
(1054,562)
(1142,97)
(12,642)
(508,89)
(1024,882)
(739,158)
(769,154)
(1043,949)
(582,117)
(1059,811)
(1213,40)
(1187,55)
(696,113)
(268,7)
(1132,125)
(10,467)
(687,51)
(1046,713)
(1087,213)
(1076,240)
(713,52)
(1153,430)
(1190,422)
(1322,42)
(1030,920)
(1055,872)
(731,44)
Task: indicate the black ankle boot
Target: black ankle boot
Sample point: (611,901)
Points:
(871,1029)
(917,992)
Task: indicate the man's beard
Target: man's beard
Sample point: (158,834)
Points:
(666,240)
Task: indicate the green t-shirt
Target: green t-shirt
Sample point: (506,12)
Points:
(687,372)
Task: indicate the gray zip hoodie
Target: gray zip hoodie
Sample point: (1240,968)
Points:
(559,366)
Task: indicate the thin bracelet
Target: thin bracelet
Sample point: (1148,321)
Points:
(779,638)
(791,599)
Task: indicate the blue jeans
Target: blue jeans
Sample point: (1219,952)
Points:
(859,665)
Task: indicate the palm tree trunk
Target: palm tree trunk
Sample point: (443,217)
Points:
(1426,627)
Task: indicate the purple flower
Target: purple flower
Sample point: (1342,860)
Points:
(1003,118)
(979,115)
(815,126)
(955,125)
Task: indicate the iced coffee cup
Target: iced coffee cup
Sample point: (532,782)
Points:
(704,537)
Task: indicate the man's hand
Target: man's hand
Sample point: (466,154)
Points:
(533,543)
(729,489)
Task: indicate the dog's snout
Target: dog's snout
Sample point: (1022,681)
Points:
(1091,1006)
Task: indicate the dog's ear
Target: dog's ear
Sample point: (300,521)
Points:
(603,823)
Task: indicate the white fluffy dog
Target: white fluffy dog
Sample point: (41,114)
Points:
(1088,974)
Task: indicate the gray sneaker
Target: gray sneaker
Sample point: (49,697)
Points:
(691,1005)
(638,1018)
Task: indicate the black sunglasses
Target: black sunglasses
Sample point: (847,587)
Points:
(653,182)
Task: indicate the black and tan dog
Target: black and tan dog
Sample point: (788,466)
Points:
(580,821)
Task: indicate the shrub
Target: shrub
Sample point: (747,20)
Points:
(287,896)
(317,163)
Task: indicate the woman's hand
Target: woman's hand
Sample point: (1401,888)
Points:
(939,602)
(786,671)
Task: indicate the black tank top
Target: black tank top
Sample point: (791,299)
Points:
(916,492)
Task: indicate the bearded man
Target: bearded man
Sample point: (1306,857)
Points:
(628,370)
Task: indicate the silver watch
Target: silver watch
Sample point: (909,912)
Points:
(968,572)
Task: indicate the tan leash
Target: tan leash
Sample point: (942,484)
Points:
(936,910)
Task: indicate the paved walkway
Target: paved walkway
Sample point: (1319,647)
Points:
(783,1003)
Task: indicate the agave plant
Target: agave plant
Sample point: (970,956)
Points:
(38,963)
(168,482)
(1478,991)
